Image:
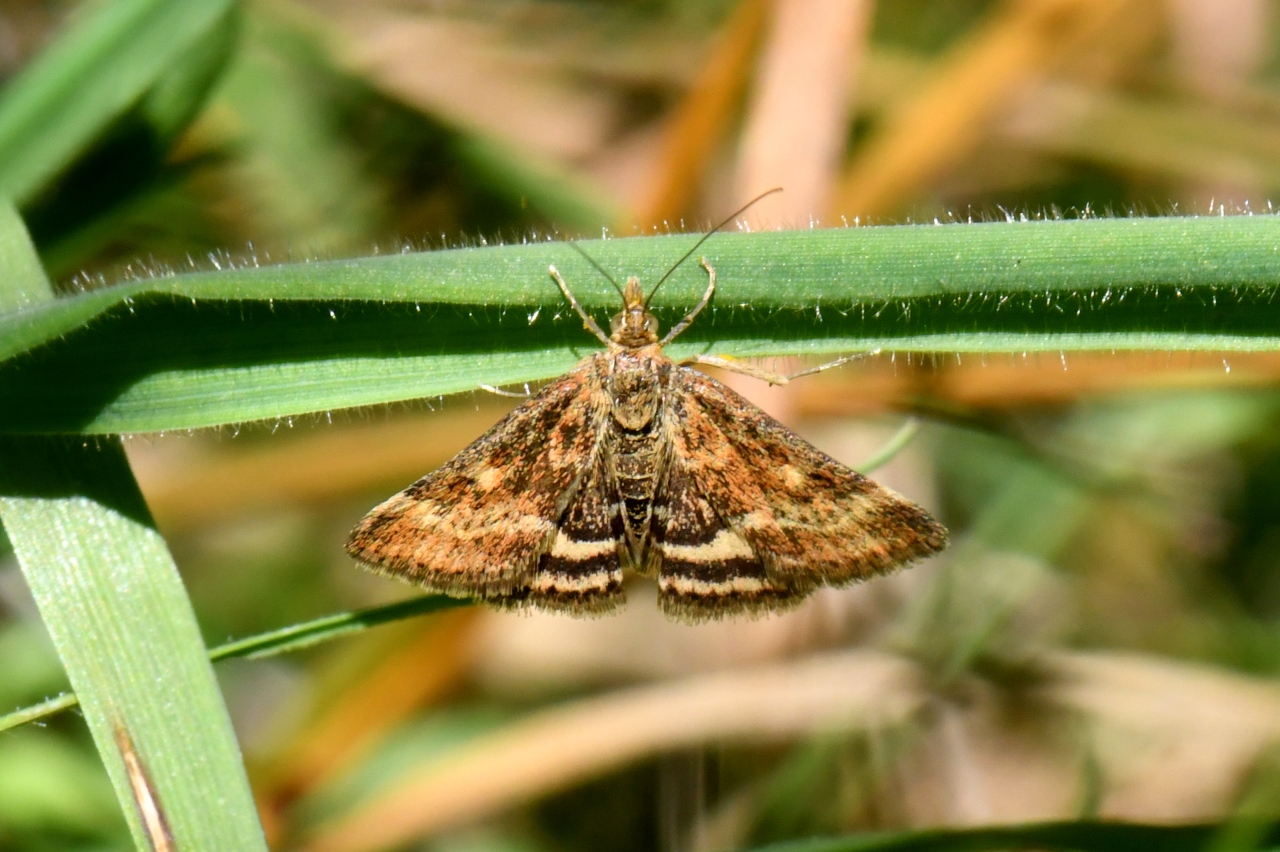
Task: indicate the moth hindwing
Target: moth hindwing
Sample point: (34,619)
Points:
(632,462)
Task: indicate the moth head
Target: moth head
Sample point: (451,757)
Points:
(634,325)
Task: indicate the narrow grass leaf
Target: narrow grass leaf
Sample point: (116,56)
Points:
(186,351)
(36,712)
(285,640)
(115,608)
(106,62)
(110,595)
(25,284)
(299,636)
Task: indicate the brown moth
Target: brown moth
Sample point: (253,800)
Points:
(633,462)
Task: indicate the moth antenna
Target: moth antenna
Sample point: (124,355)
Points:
(744,208)
(591,260)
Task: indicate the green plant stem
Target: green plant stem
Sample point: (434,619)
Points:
(293,638)
(897,443)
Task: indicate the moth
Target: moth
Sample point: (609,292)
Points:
(632,462)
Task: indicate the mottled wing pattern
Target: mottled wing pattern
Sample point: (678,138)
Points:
(805,519)
(481,524)
(707,569)
(580,573)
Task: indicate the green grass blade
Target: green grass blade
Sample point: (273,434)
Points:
(285,640)
(24,283)
(1079,836)
(203,349)
(299,636)
(110,595)
(105,63)
(898,442)
(36,712)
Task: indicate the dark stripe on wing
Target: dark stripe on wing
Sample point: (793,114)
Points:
(580,573)
(707,570)
(698,591)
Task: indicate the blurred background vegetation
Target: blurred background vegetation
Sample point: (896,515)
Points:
(1101,641)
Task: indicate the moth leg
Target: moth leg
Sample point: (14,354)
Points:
(510,394)
(697,309)
(733,365)
(573,301)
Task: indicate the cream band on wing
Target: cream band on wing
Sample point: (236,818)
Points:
(726,545)
(580,551)
(548,582)
(692,586)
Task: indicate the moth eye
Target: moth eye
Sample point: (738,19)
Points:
(615,324)
(651,323)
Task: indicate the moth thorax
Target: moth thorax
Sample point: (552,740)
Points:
(633,325)
(635,394)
